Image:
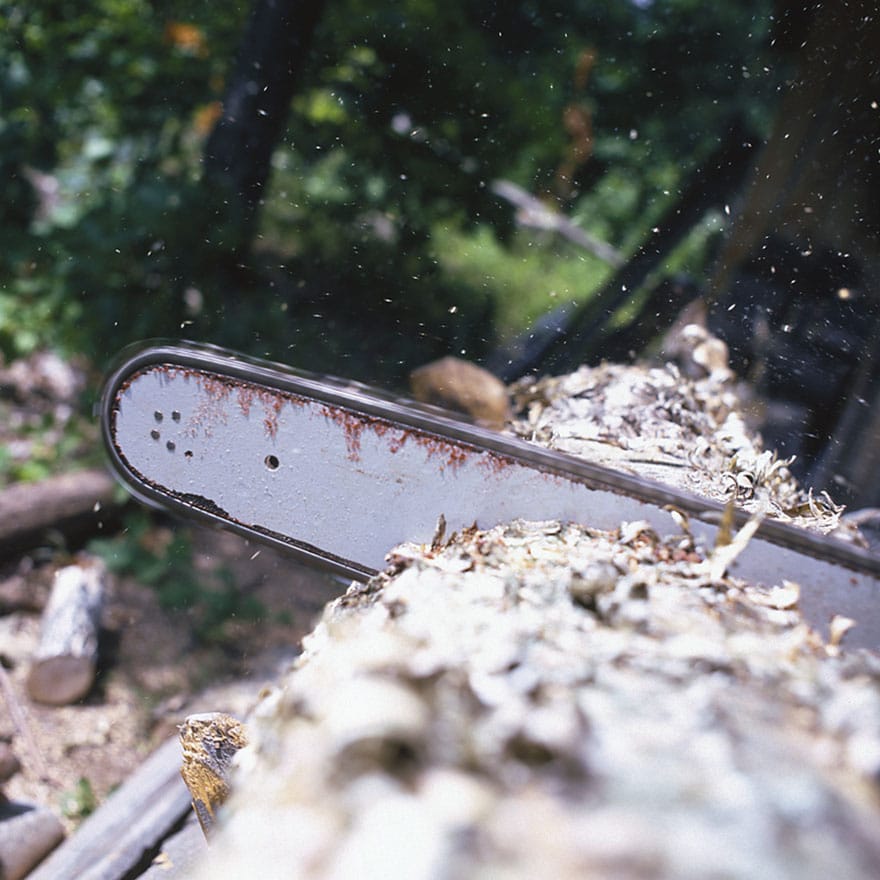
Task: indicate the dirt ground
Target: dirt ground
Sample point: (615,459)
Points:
(154,670)
(155,665)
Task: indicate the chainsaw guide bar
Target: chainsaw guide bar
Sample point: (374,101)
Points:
(337,474)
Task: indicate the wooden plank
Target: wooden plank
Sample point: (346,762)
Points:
(132,822)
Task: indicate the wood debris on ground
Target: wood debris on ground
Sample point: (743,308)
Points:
(548,699)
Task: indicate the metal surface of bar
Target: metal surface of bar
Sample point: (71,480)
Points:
(339,474)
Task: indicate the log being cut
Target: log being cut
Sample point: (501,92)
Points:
(553,699)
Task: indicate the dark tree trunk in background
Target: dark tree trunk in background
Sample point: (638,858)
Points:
(817,179)
(807,234)
(255,109)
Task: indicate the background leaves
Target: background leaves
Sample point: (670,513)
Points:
(379,245)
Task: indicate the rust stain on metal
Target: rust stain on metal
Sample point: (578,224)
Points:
(398,436)
(248,394)
(451,454)
(272,404)
(494,464)
(245,399)
(352,427)
(211,408)
(219,389)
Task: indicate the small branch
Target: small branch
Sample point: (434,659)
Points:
(22,724)
(533,212)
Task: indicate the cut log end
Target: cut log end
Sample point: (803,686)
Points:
(64,666)
(464,387)
(59,681)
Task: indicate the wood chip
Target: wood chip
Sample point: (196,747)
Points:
(210,741)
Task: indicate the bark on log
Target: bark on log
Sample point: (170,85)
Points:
(209,741)
(554,700)
(550,700)
(63,669)
(27,834)
(130,824)
(73,505)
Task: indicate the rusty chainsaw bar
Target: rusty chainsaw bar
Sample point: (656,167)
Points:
(338,473)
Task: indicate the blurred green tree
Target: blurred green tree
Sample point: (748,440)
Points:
(362,257)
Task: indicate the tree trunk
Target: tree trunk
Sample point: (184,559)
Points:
(255,109)
(817,178)
(803,251)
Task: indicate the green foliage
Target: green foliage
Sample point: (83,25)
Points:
(530,277)
(43,460)
(79,801)
(164,561)
(37,444)
(98,129)
(411,111)
(379,213)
